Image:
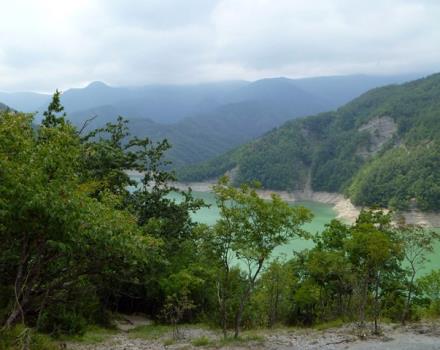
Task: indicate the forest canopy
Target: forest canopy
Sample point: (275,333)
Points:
(81,241)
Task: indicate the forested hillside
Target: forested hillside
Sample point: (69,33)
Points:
(79,247)
(381,149)
(202,121)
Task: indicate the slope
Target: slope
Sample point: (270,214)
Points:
(205,120)
(25,101)
(381,149)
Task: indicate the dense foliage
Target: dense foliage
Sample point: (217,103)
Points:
(343,151)
(365,271)
(76,244)
(81,240)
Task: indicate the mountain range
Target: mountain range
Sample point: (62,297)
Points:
(382,148)
(202,121)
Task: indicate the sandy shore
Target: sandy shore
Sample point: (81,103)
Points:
(345,210)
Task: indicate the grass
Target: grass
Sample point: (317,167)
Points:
(246,337)
(93,335)
(201,341)
(169,341)
(330,324)
(150,332)
(20,336)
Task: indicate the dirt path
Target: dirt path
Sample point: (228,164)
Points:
(416,337)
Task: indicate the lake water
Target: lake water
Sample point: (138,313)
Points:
(323,214)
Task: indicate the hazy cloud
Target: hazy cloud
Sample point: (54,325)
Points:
(47,44)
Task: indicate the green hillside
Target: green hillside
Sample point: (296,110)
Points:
(202,121)
(381,149)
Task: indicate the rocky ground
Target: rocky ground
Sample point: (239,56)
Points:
(423,336)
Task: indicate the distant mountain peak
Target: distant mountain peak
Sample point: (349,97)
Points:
(97,84)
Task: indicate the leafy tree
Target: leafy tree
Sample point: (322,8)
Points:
(430,286)
(76,241)
(374,252)
(53,234)
(417,243)
(251,228)
(51,115)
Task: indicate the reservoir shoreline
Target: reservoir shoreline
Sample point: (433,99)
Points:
(344,208)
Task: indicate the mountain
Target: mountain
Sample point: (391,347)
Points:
(202,121)
(3,107)
(167,104)
(28,102)
(383,148)
(205,120)
(211,133)
(338,90)
(161,103)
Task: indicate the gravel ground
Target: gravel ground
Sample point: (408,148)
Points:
(414,337)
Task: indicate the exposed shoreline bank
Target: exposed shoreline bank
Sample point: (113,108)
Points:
(344,208)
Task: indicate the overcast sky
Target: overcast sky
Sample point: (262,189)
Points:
(48,44)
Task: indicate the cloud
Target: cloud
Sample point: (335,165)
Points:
(50,44)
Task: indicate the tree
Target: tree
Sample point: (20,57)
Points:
(73,242)
(273,292)
(430,286)
(54,236)
(374,251)
(249,229)
(51,119)
(417,243)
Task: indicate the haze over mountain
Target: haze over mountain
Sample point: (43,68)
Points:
(204,120)
(25,101)
(383,148)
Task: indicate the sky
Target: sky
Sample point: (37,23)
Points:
(49,44)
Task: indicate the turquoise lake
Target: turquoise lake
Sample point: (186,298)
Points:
(322,214)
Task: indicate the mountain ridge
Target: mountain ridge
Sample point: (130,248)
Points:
(204,120)
(336,150)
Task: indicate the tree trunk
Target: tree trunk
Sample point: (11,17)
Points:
(224,313)
(363,302)
(408,298)
(244,299)
(275,307)
(18,288)
(239,314)
(376,305)
(222,295)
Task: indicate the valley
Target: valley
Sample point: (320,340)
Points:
(380,149)
(222,174)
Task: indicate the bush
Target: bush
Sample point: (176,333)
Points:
(202,341)
(21,337)
(430,287)
(64,322)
